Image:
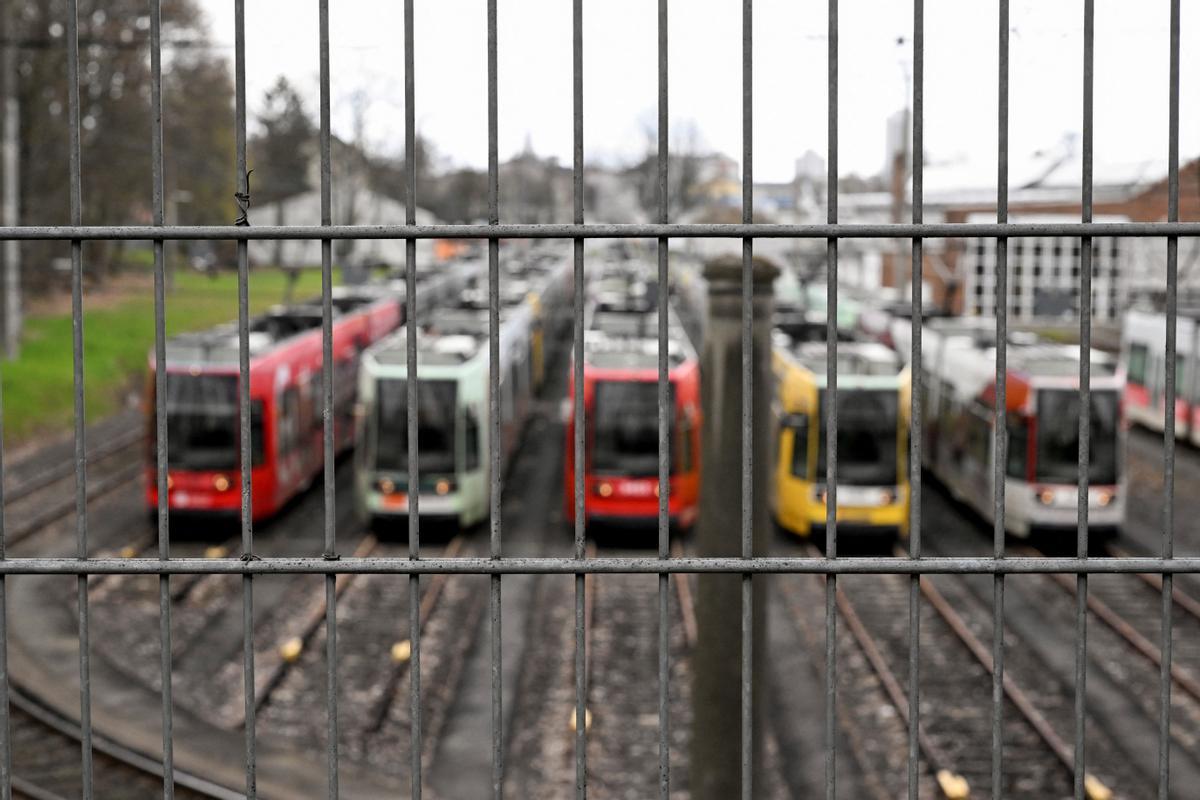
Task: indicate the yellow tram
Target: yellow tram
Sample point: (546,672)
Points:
(872,438)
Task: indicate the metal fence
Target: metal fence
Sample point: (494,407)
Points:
(496,564)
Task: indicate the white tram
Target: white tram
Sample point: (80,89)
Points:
(1042,406)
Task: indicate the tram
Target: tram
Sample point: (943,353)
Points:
(620,400)
(872,438)
(453,374)
(1143,355)
(1042,409)
(286,402)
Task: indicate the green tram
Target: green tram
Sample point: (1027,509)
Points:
(452,402)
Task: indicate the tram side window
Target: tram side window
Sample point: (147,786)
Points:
(289,423)
(977,437)
(685,445)
(1018,447)
(471,433)
(1137,364)
(798,424)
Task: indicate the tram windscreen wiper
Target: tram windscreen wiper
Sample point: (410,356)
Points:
(1058,437)
(625,428)
(867,438)
(435,425)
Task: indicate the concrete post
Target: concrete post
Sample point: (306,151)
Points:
(715,764)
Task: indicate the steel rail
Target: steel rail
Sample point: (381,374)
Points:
(426,605)
(687,606)
(846,722)
(1180,676)
(270,672)
(949,780)
(111,748)
(1092,787)
(95,489)
(756,230)
(63,470)
(1184,601)
(509,565)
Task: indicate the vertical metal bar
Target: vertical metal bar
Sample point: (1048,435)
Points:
(1001,415)
(494,397)
(5,729)
(331,711)
(160,382)
(246,461)
(85,691)
(831,256)
(1168,537)
(1085,426)
(412,386)
(747,399)
(581,678)
(917,273)
(664,475)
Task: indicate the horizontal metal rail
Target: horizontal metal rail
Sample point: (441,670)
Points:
(758,230)
(578,566)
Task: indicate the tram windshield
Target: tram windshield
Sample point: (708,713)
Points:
(203,425)
(436,404)
(1058,437)
(867,437)
(625,428)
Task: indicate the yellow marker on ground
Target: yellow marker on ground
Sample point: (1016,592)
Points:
(290,650)
(216,551)
(954,787)
(1094,789)
(587,719)
(402,651)
(128,551)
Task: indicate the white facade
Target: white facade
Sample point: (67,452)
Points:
(1044,273)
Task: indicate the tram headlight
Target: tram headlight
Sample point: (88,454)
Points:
(886,497)
(604,489)
(1046,496)
(170,482)
(221,483)
(443,486)
(1103,498)
(387,485)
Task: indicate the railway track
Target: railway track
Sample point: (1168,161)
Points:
(40,499)
(375,662)
(47,760)
(1129,608)
(955,736)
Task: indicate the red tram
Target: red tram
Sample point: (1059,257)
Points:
(286,403)
(620,400)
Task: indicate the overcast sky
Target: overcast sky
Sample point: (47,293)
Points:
(620,94)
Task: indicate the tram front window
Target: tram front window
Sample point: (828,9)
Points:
(625,428)
(866,443)
(435,426)
(203,424)
(1058,413)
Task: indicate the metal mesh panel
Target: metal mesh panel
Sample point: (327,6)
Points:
(664,565)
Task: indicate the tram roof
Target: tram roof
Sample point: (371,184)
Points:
(218,346)
(858,359)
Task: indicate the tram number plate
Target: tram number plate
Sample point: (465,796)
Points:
(397,500)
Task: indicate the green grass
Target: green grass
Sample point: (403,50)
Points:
(118,336)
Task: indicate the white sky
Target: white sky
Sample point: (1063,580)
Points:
(367,64)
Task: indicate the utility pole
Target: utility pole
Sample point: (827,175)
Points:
(716,757)
(10,310)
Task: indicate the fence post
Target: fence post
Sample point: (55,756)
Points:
(714,771)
